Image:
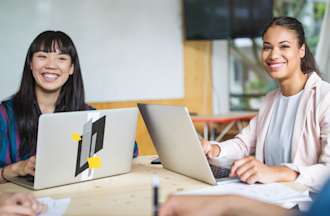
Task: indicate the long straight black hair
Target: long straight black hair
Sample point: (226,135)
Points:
(308,63)
(71,97)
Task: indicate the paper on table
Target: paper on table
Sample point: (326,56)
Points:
(272,193)
(55,207)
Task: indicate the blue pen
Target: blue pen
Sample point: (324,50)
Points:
(155,190)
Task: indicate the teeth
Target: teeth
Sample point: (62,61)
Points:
(50,77)
(276,65)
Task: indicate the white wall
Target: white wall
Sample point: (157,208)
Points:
(323,47)
(128,49)
(220,77)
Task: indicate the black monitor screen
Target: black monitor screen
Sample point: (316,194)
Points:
(207,19)
(223,19)
(262,13)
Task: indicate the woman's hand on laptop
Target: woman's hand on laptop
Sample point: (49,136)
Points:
(21,168)
(210,150)
(28,166)
(20,204)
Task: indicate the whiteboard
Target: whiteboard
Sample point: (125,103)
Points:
(128,49)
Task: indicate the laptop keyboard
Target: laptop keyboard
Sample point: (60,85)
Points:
(28,178)
(219,172)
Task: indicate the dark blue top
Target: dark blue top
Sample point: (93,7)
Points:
(321,204)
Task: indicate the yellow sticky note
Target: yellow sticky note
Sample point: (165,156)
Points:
(94,162)
(76,137)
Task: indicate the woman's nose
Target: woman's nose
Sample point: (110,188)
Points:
(275,53)
(51,62)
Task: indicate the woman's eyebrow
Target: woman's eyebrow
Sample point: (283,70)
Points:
(285,41)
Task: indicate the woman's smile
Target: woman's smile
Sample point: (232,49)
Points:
(276,66)
(49,77)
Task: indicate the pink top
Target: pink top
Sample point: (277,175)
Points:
(310,154)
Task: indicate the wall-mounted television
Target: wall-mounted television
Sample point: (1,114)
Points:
(224,19)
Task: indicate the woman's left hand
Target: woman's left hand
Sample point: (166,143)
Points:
(251,170)
(26,167)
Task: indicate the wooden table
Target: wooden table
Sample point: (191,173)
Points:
(230,119)
(127,194)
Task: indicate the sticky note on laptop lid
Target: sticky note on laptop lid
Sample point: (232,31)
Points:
(76,137)
(94,162)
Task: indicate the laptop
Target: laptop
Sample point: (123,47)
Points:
(84,145)
(177,142)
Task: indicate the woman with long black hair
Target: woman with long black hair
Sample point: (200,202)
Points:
(51,82)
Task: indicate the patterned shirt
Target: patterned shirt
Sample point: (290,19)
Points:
(9,137)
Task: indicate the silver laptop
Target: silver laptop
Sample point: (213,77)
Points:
(79,146)
(177,142)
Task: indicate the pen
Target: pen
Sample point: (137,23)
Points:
(155,190)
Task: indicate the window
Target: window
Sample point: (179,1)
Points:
(248,80)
